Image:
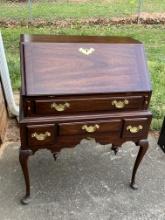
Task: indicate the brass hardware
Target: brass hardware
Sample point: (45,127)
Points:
(29,108)
(134,130)
(86,51)
(60,107)
(120,104)
(146,100)
(41,136)
(90,129)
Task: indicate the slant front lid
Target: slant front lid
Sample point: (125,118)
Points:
(63,68)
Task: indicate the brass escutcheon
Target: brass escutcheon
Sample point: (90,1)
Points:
(134,129)
(91,128)
(120,104)
(60,107)
(86,51)
(41,136)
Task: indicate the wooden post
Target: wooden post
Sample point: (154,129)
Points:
(3,115)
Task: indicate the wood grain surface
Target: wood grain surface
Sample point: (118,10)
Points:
(61,69)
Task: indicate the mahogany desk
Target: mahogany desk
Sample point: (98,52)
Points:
(76,87)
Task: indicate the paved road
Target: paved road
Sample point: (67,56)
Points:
(85,183)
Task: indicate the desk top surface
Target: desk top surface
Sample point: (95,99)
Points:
(65,65)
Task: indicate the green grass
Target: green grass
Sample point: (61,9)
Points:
(153,38)
(62,9)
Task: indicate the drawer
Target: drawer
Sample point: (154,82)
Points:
(41,134)
(65,106)
(136,127)
(90,127)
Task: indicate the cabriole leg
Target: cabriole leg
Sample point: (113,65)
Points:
(23,158)
(143,148)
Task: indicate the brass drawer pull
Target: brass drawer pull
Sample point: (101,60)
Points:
(86,51)
(41,136)
(134,130)
(120,104)
(90,129)
(60,107)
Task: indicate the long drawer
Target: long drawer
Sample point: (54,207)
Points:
(64,106)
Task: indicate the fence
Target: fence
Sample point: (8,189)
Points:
(29,10)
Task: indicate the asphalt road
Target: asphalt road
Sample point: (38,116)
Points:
(87,182)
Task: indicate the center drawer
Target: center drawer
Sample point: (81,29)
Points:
(65,106)
(90,127)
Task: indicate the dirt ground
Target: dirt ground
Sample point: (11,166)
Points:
(146,18)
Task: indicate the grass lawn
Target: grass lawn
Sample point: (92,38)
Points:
(152,36)
(79,9)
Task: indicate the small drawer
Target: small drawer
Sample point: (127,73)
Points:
(90,127)
(41,134)
(65,106)
(136,127)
